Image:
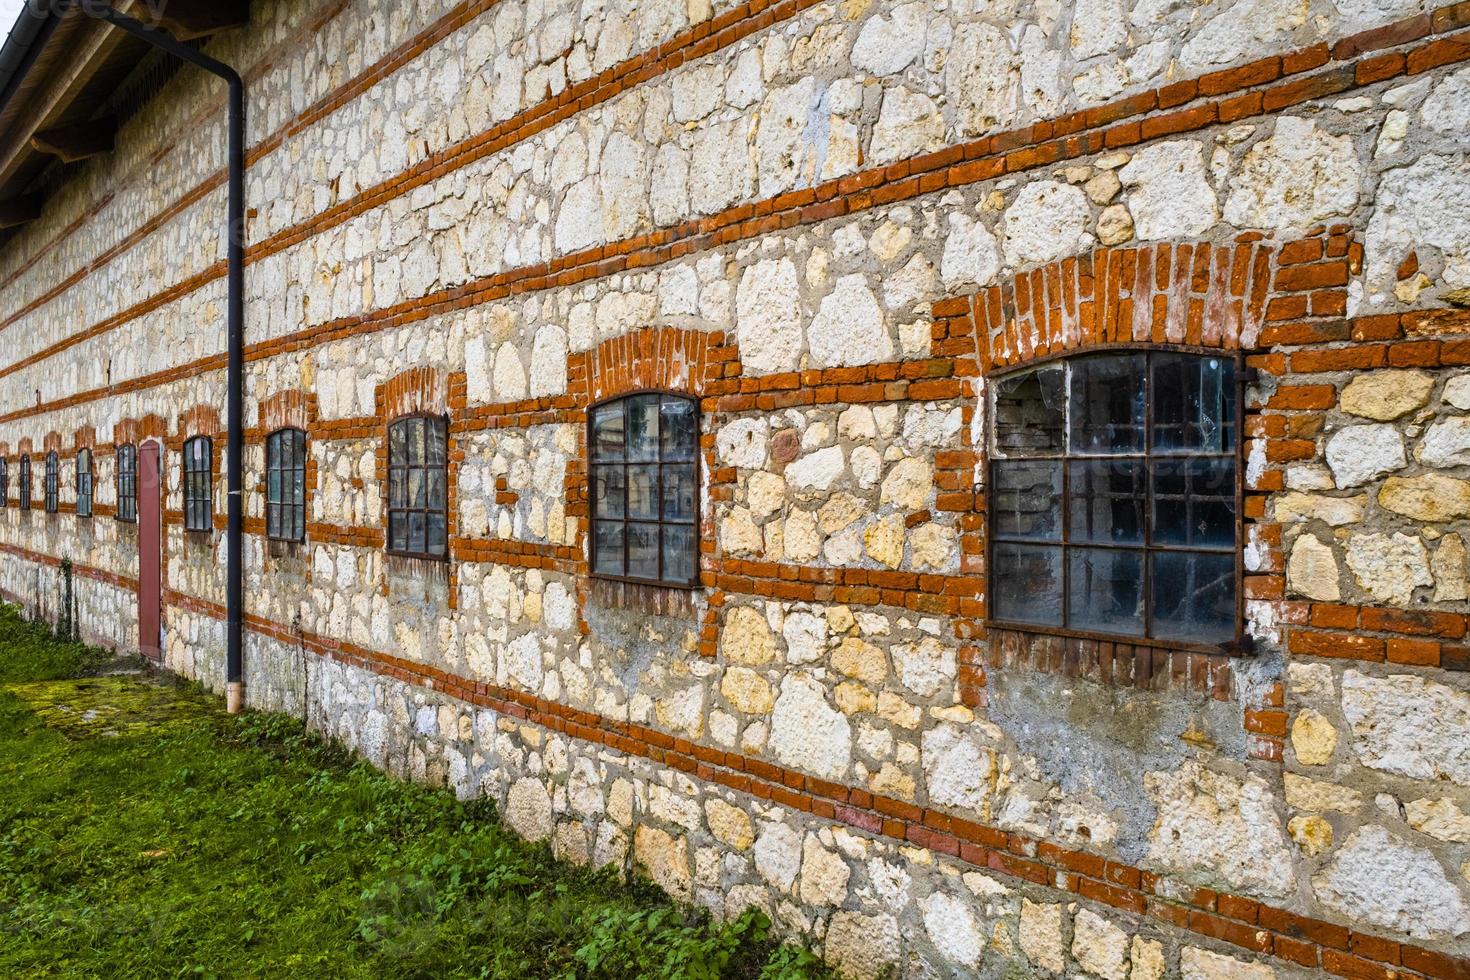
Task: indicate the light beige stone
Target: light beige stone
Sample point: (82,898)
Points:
(861,660)
(1449,567)
(747,691)
(747,638)
(664,859)
(1359,454)
(1099,947)
(953,929)
(1303,793)
(807,732)
(1313,738)
(1290,508)
(1383,880)
(528,809)
(1041,935)
(840,511)
(1440,818)
(1298,176)
(1409,725)
(801,537)
(1446,444)
(853,698)
(864,947)
(1389,567)
(1386,395)
(909,483)
(729,824)
(765,493)
(824,874)
(1147,956)
(1201,964)
(1311,833)
(1228,824)
(934,546)
(884,540)
(1431,497)
(1115,225)
(1312,569)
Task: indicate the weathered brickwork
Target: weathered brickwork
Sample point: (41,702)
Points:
(836,226)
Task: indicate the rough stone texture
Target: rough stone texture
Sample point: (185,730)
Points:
(1409,725)
(1359,454)
(1386,395)
(1168,194)
(1380,879)
(1201,964)
(1228,825)
(1294,178)
(379,245)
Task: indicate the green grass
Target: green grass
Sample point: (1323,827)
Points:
(143,833)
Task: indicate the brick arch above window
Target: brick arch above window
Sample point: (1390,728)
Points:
(292,408)
(84,438)
(150,426)
(656,358)
(201,420)
(1232,295)
(52,442)
(416,391)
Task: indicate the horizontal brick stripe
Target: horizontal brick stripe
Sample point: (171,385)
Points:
(212,182)
(1116,124)
(737,24)
(1236,920)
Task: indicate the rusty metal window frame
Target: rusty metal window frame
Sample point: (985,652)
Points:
(25,482)
(1240,641)
(402,467)
(287,473)
(690,525)
(84,483)
(52,480)
(127,482)
(199,484)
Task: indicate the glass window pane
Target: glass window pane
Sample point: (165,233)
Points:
(1107,404)
(298,487)
(643,427)
(416,495)
(677,432)
(415,437)
(1193,403)
(1105,590)
(679,557)
(1030,413)
(643,492)
(398,443)
(273,520)
(608,547)
(679,492)
(397,530)
(1026,583)
(435,442)
(1194,597)
(607,432)
(1194,502)
(1026,499)
(415,531)
(1106,499)
(397,488)
(436,535)
(607,491)
(273,486)
(436,489)
(272,451)
(643,550)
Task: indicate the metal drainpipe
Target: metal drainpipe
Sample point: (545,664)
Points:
(235,320)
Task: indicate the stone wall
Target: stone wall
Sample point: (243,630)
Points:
(833,223)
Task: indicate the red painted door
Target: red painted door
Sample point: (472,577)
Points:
(150,551)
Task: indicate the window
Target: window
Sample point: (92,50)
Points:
(1113,497)
(127,482)
(84,483)
(50,482)
(643,489)
(198,476)
(25,483)
(285,498)
(4,483)
(418,486)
